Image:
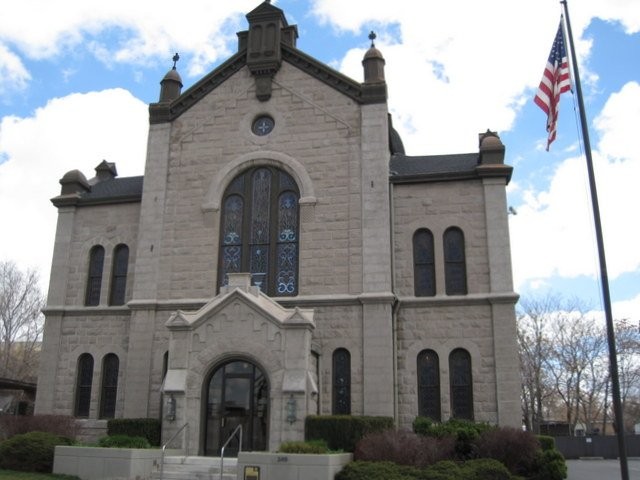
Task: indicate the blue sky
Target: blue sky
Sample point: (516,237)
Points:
(76,78)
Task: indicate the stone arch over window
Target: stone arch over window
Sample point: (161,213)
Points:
(84,379)
(341,382)
(109,389)
(94,277)
(455,268)
(429,385)
(213,199)
(119,275)
(461,383)
(259,230)
(424,270)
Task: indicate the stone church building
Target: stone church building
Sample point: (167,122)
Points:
(281,256)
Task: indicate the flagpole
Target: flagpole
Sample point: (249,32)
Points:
(613,361)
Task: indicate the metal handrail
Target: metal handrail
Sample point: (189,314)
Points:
(164,447)
(233,434)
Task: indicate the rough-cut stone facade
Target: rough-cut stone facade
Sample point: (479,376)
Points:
(361,200)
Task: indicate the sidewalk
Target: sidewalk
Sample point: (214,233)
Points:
(592,469)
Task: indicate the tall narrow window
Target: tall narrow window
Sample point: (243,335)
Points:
(429,385)
(110,366)
(94,278)
(424,272)
(259,230)
(455,269)
(461,381)
(119,275)
(341,382)
(83,385)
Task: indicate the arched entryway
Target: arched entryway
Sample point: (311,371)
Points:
(237,393)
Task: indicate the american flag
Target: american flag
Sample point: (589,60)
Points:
(555,81)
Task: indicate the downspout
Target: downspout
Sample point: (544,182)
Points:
(395,308)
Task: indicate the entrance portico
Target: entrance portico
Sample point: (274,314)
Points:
(240,359)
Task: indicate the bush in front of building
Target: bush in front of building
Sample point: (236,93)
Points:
(342,432)
(61,425)
(465,432)
(148,428)
(310,446)
(31,452)
(404,448)
(549,465)
(513,447)
(123,441)
(479,469)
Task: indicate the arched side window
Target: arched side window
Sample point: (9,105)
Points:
(83,385)
(455,269)
(109,390)
(259,230)
(341,382)
(94,277)
(119,275)
(424,270)
(461,381)
(429,385)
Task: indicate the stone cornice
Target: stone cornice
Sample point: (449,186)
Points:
(508,298)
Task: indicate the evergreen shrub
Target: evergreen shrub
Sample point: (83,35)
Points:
(123,441)
(465,432)
(31,452)
(310,446)
(148,428)
(342,432)
(546,442)
(549,465)
(480,469)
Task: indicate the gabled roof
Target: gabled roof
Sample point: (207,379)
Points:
(161,112)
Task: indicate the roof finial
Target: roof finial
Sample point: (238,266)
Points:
(175,59)
(372,37)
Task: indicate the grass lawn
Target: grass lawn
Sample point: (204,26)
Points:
(10,474)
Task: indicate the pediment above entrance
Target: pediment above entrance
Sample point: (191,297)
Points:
(237,301)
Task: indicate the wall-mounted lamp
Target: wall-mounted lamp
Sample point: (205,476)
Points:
(292,408)
(170,408)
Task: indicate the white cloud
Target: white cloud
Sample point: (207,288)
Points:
(200,30)
(13,74)
(74,132)
(627,309)
(563,210)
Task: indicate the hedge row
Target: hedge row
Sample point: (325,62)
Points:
(342,432)
(149,428)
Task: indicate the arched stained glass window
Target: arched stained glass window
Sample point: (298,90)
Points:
(94,278)
(259,230)
(461,381)
(84,379)
(429,385)
(109,391)
(341,382)
(455,269)
(119,275)
(424,271)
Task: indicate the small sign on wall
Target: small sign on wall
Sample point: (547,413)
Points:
(251,473)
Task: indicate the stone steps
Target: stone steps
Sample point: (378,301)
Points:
(196,468)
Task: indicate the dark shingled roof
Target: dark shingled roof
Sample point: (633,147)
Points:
(115,190)
(405,168)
